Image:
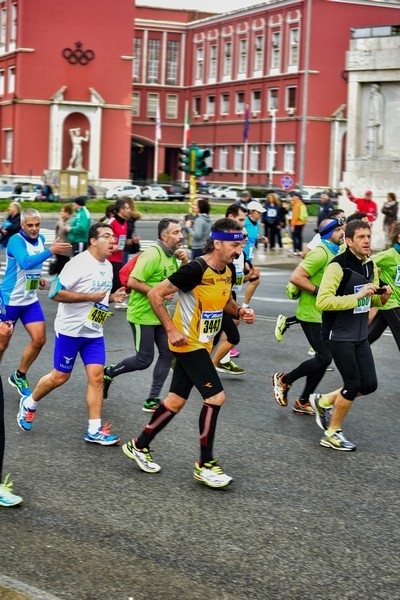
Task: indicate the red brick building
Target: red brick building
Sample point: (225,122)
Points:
(64,65)
(284,59)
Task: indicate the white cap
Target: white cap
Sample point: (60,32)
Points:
(254,205)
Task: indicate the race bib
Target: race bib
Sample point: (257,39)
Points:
(364,304)
(272,213)
(210,324)
(239,282)
(397,279)
(97,316)
(121,242)
(32,282)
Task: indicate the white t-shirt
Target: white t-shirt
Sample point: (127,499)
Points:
(314,242)
(84,274)
(239,266)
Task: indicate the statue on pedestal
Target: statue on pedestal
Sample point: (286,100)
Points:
(75,161)
(374,143)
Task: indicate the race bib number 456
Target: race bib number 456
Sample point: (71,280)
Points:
(210,324)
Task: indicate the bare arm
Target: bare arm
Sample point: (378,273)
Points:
(71,297)
(301,278)
(139,286)
(238,312)
(156,297)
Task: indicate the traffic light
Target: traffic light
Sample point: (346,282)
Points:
(201,166)
(188,160)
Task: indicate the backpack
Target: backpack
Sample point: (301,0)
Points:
(303,215)
(127,269)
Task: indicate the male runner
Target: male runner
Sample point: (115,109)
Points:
(83,291)
(204,287)
(154,265)
(25,255)
(348,287)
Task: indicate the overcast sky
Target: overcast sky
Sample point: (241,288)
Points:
(206,5)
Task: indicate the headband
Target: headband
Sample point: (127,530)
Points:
(327,230)
(227,236)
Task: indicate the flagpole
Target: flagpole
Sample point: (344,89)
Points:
(244,184)
(157,137)
(185,133)
(245,138)
(155,160)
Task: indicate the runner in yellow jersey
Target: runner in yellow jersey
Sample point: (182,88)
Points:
(204,289)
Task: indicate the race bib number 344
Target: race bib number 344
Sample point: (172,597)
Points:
(210,324)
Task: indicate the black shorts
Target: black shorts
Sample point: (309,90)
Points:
(195,369)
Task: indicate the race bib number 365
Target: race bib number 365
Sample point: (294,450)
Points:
(210,324)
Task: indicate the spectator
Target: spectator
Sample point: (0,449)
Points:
(297,224)
(108,213)
(365,204)
(11,224)
(132,245)
(325,207)
(200,228)
(272,220)
(245,198)
(62,258)
(389,209)
(78,230)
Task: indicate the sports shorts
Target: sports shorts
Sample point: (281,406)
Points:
(28,313)
(195,369)
(92,351)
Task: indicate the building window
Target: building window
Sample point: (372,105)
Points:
(172,62)
(153,61)
(212,75)
(258,54)
(9,134)
(273,97)
(209,159)
(197,106)
(152,103)
(135,104)
(136,59)
(238,166)
(223,158)
(2,82)
(242,68)
(172,106)
(254,158)
(276,52)
(294,49)
(3,29)
(224,104)
(255,101)
(288,158)
(239,103)
(199,65)
(11,80)
(228,60)
(210,106)
(13,27)
(271,159)
(291,93)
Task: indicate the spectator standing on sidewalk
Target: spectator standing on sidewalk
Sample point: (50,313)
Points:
(365,204)
(78,229)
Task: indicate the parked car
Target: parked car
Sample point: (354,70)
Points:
(315,198)
(6,191)
(119,191)
(177,192)
(229,193)
(91,192)
(154,192)
(30,192)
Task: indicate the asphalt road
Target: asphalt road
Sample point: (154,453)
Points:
(299,522)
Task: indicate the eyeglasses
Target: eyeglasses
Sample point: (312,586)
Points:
(107,236)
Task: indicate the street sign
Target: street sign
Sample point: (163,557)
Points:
(287,182)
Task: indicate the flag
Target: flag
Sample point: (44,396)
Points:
(246,125)
(158,123)
(186,134)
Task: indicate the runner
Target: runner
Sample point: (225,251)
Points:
(307,277)
(153,265)
(83,292)
(22,279)
(204,287)
(349,285)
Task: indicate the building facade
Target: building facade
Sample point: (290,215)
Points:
(284,60)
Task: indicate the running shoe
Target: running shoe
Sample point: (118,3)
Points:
(142,457)
(230,368)
(107,381)
(235,352)
(25,416)
(337,441)
(303,409)
(151,404)
(102,436)
(20,383)
(280,389)
(121,306)
(7,498)
(280,327)
(211,474)
(322,415)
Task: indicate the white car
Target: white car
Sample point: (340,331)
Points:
(119,191)
(154,192)
(6,191)
(228,193)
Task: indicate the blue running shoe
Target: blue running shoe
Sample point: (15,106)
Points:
(25,416)
(20,383)
(7,498)
(102,436)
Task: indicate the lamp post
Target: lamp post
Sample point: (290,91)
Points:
(272,112)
